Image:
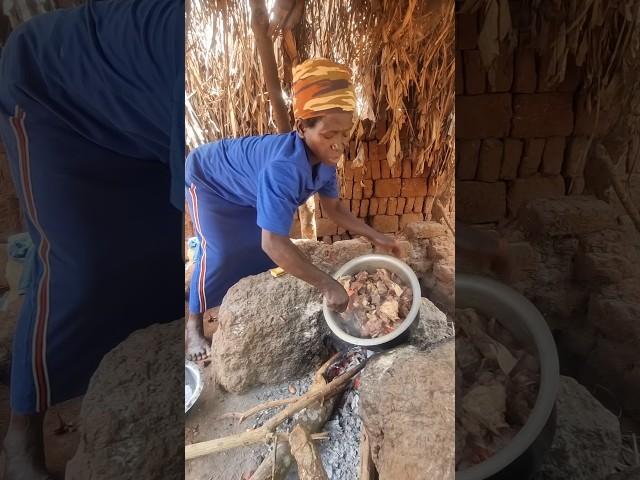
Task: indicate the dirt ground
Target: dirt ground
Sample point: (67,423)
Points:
(202,423)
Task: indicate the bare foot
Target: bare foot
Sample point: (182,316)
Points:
(197,347)
(24,449)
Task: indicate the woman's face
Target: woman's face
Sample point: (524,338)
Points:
(328,137)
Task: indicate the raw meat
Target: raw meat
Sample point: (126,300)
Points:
(378,303)
(497,382)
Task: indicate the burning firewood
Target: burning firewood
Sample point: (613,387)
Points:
(321,389)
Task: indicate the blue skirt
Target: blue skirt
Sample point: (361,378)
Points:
(230,247)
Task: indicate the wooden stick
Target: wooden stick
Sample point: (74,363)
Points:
(263,433)
(242,416)
(312,418)
(306,455)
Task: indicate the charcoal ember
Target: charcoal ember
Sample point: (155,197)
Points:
(378,303)
(497,383)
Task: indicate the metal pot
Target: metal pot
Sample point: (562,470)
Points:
(370,263)
(524,454)
(192,379)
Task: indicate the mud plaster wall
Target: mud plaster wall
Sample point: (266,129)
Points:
(518,137)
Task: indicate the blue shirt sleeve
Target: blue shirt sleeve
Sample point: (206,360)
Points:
(330,188)
(279,187)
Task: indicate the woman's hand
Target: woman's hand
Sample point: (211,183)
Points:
(388,244)
(336,296)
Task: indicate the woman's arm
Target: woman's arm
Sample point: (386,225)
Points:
(287,256)
(345,219)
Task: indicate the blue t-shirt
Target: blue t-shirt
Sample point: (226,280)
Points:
(271,173)
(113,70)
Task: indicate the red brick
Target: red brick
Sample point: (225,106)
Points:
(475,79)
(511,160)
(385,223)
(348,170)
(324,226)
(483,116)
(480,202)
(406,168)
(542,115)
(576,157)
(414,187)
(346,203)
(467,153)
(532,157)
(396,171)
(523,190)
(381,152)
(490,160)
(553,156)
(367,169)
(401,203)
(358,173)
(459,75)
(418,204)
(408,206)
(500,75)
(586,119)
(388,187)
(357,191)
(421,230)
(355,207)
(367,189)
(408,218)
(384,168)
(364,208)
(375,168)
(373,207)
(392,205)
(525,78)
(382,206)
(466,31)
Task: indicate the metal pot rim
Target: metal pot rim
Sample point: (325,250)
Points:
(362,262)
(528,314)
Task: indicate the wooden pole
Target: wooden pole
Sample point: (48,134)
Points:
(260,27)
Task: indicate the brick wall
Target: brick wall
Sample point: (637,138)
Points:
(517,137)
(385,198)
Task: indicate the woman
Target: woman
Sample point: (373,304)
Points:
(243,194)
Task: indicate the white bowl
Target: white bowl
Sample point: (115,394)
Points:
(370,263)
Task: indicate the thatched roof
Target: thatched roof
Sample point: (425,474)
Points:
(401,53)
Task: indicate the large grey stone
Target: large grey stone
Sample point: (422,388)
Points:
(132,417)
(587,442)
(430,327)
(411,429)
(270,330)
